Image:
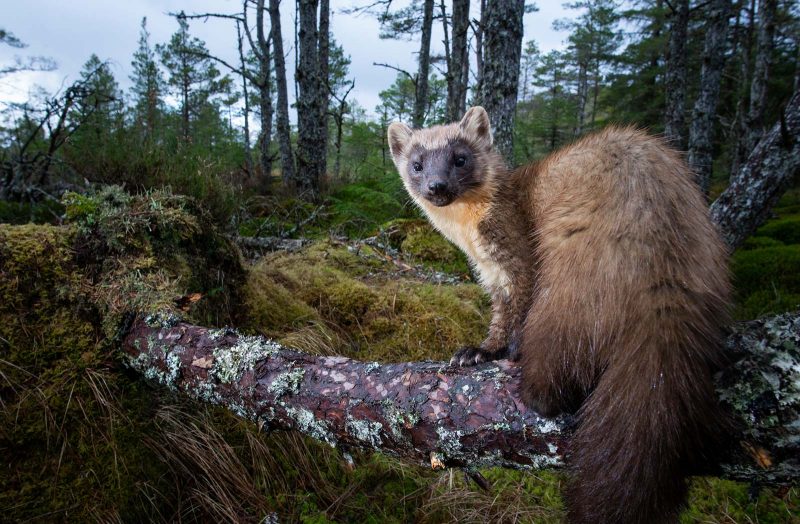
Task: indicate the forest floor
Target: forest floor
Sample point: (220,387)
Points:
(89,440)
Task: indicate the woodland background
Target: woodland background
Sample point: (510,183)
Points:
(200,190)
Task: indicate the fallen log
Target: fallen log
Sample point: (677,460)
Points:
(434,414)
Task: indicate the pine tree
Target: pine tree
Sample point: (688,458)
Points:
(147,88)
(192,76)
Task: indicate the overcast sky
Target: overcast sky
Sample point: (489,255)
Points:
(70,31)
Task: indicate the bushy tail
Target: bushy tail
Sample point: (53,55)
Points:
(650,421)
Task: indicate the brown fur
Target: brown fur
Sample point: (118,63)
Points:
(609,284)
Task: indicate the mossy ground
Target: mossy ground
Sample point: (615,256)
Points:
(766,270)
(89,441)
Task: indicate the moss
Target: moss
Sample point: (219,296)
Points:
(358,209)
(759,242)
(77,424)
(373,317)
(785,230)
(767,280)
(718,500)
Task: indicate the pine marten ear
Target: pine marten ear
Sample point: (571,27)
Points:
(399,135)
(475,125)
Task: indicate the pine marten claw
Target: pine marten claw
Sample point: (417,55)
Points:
(471,356)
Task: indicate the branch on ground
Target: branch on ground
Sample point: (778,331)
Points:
(433,414)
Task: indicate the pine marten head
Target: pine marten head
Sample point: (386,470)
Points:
(442,164)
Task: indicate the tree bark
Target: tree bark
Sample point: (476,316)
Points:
(500,78)
(744,40)
(324,80)
(458,66)
(479,55)
(701,133)
(443,416)
(284,133)
(310,131)
(248,155)
(765,43)
(675,81)
(762,179)
(421,94)
(264,85)
(583,94)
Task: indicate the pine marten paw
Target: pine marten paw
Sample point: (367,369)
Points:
(472,356)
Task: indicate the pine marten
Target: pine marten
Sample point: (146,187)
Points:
(609,285)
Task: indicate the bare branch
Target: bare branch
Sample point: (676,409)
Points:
(403,71)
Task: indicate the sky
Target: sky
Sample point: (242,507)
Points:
(69,32)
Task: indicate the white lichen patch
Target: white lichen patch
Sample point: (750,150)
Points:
(546,425)
(543,461)
(306,423)
(450,442)
(287,383)
(398,419)
(163,320)
(371,367)
(173,370)
(231,363)
(366,431)
(205,391)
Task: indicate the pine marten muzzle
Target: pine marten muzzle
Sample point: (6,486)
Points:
(609,286)
(442,175)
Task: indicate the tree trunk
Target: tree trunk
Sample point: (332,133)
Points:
(500,79)
(701,133)
(477,92)
(745,42)
(310,132)
(441,416)
(264,97)
(248,155)
(324,66)
(421,94)
(284,133)
(458,66)
(765,44)
(762,179)
(675,81)
(583,94)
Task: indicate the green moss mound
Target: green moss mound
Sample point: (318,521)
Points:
(766,269)
(785,230)
(346,302)
(77,422)
(422,244)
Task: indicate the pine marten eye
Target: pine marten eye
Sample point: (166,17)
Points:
(460,161)
(417,167)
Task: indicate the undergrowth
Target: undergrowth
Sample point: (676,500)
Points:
(87,440)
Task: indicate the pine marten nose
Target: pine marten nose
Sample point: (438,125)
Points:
(437,187)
